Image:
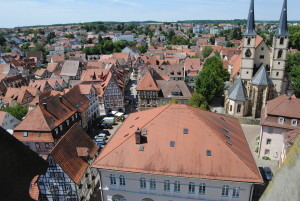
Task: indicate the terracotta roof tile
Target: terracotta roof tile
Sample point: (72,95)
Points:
(206,131)
(147,83)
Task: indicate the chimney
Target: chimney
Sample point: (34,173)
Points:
(45,105)
(138,136)
(289,95)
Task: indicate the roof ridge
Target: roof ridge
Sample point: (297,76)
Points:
(222,140)
(278,105)
(167,106)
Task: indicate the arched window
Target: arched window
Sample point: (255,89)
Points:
(248,53)
(202,187)
(249,41)
(281,40)
(279,54)
(142,183)
(177,186)
(152,184)
(166,185)
(225,190)
(122,180)
(118,198)
(191,187)
(112,179)
(236,192)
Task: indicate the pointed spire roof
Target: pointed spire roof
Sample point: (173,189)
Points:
(147,83)
(250,28)
(282,29)
(238,91)
(261,78)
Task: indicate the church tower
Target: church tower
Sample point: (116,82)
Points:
(248,52)
(279,53)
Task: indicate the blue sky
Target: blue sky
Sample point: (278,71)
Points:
(40,12)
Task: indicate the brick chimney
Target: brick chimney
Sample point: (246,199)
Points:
(138,136)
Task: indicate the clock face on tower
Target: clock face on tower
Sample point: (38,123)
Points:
(248,53)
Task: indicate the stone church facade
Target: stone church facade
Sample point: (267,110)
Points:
(259,73)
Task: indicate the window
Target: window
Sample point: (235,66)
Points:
(225,190)
(262,48)
(279,54)
(152,184)
(267,151)
(112,180)
(25,134)
(142,183)
(39,134)
(191,187)
(230,108)
(56,131)
(270,130)
(68,122)
(277,73)
(281,120)
(185,131)
(122,180)
(294,122)
(268,141)
(202,187)
(262,56)
(281,40)
(208,152)
(236,192)
(238,110)
(166,185)
(60,127)
(176,186)
(248,53)
(72,118)
(249,41)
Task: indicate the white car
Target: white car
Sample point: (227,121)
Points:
(102,136)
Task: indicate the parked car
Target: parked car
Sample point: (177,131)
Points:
(268,173)
(106,132)
(102,135)
(106,126)
(100,141)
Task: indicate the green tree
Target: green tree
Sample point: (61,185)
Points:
(2,39)
(17,111)
(207,50)
(38,47)
(212,40)
(295,40)
(174,101)
(210,81)
(198,101)
(143,48)
(291,61)
(294,76)
(229,44)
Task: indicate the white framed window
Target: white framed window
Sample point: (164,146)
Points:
(39,134)
(56,131)
(280,120)
(152,184)
(60,127)
(294,122)
(225,190)
(143,183)
(122,180)
(76,115)
(72,118)
(192,187)
(166,185)
(177,186)
(236,192)
(112,179)
(202,188)
(68,122)
(25,134)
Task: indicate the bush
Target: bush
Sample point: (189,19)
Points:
(266,158)
(256,149)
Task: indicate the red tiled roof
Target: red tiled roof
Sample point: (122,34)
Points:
(65,152)
(206,131)
(147,83)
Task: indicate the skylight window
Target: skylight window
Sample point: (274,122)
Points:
(81,102)
(225,129)
(65,111)
(77,105)
(142,148)
(145,131)
(208,152)
(228,136)
(172,144)
(228,142)
(185,131)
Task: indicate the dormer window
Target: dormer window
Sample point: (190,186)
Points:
(294,122)
(281,120)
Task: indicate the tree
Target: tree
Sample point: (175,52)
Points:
(210,81)
(294,76)
(229,44)
(212,40)
(198,101)
(174,101)
(17,111)
(2,39)
(207,50)
(291,61)
(38,47)
(143,48)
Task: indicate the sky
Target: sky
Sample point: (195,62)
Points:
(45,12)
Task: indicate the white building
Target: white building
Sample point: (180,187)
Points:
(214,30)
(177,152)
(279,123)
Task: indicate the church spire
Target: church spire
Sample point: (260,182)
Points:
(250,28)
(282,29)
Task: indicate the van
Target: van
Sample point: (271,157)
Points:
(109,120)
